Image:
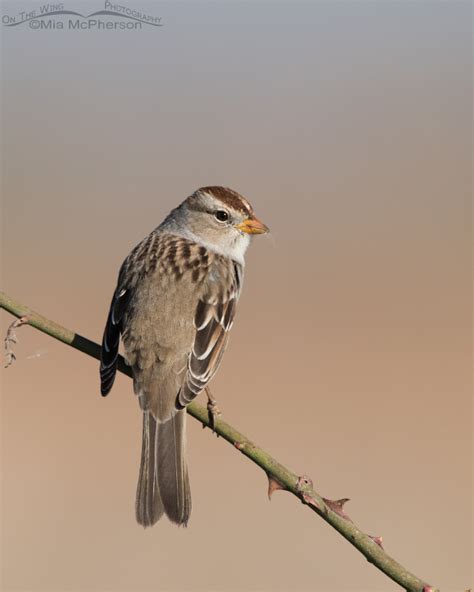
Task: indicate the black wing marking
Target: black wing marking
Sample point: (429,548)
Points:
(134,266)
(111,339)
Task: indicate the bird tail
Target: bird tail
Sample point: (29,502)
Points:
(163,484)
(148,506)
(173,480)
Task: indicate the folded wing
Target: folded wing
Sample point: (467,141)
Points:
(213,320)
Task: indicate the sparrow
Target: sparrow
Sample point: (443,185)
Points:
(173,307)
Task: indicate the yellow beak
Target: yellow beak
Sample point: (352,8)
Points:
(252,226)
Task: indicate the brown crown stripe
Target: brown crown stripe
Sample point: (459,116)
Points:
(228,197)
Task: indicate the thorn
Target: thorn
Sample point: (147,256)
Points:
(273,485)
(311,501)
(337,506)
(303,481)
(377,540)
(428,588)
(239,445)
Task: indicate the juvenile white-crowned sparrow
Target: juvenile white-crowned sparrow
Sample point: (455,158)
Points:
(174,306)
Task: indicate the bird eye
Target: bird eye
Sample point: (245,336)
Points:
(221,215)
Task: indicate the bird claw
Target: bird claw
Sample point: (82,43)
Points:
(214,413)
(213,410)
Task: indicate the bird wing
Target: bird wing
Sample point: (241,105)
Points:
(213,320)
(135,266)
(111,338)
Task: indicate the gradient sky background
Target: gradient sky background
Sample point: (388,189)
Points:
(348,126)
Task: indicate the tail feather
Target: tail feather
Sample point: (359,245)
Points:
(172,472)
(148,506)
(163,483)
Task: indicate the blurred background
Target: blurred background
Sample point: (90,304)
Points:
(348,127)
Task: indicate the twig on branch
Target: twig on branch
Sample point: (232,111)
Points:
(11,338)
(279,476)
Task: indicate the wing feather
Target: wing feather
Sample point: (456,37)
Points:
(138,263)
(213,320)
(111,339)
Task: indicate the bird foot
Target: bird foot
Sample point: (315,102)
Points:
(212,409)
(214,413)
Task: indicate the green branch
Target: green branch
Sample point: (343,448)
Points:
(279,476)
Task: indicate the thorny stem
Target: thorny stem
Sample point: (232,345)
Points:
(279,476)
